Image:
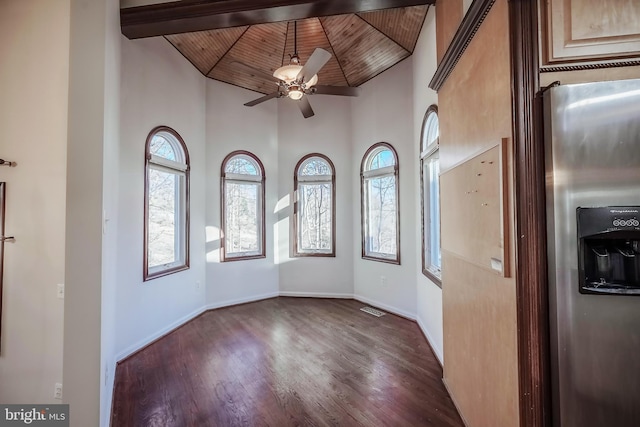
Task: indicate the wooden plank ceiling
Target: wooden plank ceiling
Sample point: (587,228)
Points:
(362,45)
(242,42)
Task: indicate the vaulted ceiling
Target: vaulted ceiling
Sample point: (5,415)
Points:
(363,43)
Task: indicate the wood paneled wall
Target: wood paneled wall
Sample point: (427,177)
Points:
(449,14)
(479,307)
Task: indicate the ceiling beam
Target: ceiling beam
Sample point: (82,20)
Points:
(199,15)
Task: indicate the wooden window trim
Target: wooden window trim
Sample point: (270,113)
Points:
(147,156)
(263,245)
(433,109)
(374,147)
(296,252)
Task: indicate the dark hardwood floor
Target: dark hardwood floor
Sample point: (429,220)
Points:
(285,362)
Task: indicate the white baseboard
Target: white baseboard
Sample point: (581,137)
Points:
(385,307)
(316,295)
(231,302)
(176,324)
(436,349)
(158,334)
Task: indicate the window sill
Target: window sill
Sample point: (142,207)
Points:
(160,273)
(242,258)
(381,259)
(314,254)
(437,279)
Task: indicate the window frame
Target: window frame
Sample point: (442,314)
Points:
(261,215)
(379,146)
(151,162)
(296,181)
(425,154)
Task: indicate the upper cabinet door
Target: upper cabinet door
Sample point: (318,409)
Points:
(590,30)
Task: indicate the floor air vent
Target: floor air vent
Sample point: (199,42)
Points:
(373,311)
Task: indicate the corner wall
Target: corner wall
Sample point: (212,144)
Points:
(328,133)
(429,295)
(383,112)
(158,87)
(231,126)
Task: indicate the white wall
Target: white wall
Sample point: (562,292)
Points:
(429,296)
(110,206)
(158,87)
(92,133)
(384,112)
(328,133)
(232,126)
(33,117)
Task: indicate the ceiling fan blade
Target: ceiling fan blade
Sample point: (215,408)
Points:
(316,61)
(305,107)
(335,90)
(262,99)
(252,70)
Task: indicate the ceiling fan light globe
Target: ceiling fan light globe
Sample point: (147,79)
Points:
(288,73)
(295,94)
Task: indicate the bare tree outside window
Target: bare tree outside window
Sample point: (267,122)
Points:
(314,227)
(380,223)
(430,182)
(163,209)
(166,204)
(242,207)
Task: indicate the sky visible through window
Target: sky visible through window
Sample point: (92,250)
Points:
(162,148)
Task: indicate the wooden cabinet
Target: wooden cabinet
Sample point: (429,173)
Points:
(589,30)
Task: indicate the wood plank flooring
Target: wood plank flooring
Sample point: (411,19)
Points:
(285,362)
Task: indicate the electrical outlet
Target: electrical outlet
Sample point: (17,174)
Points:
(57,393)
(383,280)
(60,291)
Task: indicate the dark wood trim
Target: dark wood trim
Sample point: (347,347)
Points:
(531,252)
(395,260)
(589,66)
(199,15)
(333,208)
(263,246)
(435,279)
(466,31)
(147,157)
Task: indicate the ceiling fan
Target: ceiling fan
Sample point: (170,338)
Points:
(295,81)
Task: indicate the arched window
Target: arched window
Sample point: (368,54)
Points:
(166,191)
(242,207)
(380,201)
(430,184)
(314,209)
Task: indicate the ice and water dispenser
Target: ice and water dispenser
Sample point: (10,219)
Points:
(609,250)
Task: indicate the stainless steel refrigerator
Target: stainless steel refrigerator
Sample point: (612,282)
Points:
(592,144)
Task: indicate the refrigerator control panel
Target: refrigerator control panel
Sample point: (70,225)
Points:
(609,250)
